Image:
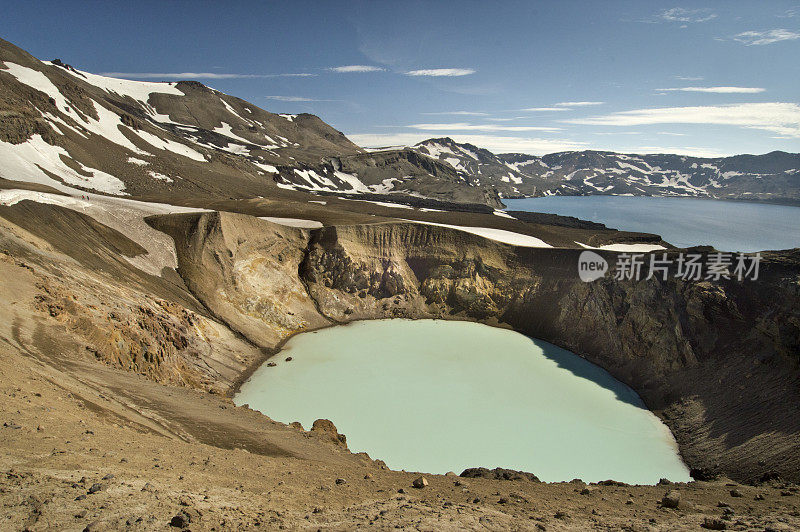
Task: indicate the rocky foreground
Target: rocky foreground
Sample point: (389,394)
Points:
(77,454)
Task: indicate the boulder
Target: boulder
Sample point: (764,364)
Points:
(714,523)
(498,474)
(420,482)
(671,499)
(325,429)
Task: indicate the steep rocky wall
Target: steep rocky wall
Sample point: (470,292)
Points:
(718,360)
(244,270)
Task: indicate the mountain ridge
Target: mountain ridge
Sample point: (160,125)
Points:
(75,131)
(598,172)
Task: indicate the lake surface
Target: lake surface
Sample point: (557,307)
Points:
(683,222)
(438,396)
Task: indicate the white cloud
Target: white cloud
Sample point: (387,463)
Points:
(197,75)
(460,113)
(545,109)
(690,151)
(615,133)
(718,90)
(689,78)
(464,126)
(578,104)
(345,69)
(294,99)
(759,38)
(777,117)
(496,144)
(533,146)
(439,72)
(681,14)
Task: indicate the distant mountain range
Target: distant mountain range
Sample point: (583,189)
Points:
(771,177)
(75,131)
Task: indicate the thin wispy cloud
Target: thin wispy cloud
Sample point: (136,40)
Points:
(199,75)
(464,126)
(545,109)
(683,15)
(348,69)
(790,13)
(458,113)
(294,99)
(717,90)
(777,117)
(689,78)
(689,151)
(441,72)
(496,144)
(291,75)
(760,38)
(578,104)
(510,119)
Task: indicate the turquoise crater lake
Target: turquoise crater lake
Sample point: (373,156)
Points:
(438,396)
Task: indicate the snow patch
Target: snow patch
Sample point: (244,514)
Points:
(385,186)
(352,180)
(124,215)
(160,177)
(169,145)
(227,131)
(137,90)
(267,167)
(293,222)
(26,162)
(626,248)
(498,235)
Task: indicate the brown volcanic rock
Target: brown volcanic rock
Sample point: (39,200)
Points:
(498,473)
(716,359)
(245,271)
(175,449)
(689,349)
(327,430)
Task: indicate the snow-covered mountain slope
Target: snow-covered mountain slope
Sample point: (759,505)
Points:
(73,130)
(771,177)
(70,129)
(480,167)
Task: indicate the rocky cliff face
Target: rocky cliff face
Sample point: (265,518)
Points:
(718,360)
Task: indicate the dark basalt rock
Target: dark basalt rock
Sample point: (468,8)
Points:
(703,474)
(498,473)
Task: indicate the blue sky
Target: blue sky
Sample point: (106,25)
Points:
(705,78)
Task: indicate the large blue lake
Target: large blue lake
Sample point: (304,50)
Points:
(683,222)
(438,396)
